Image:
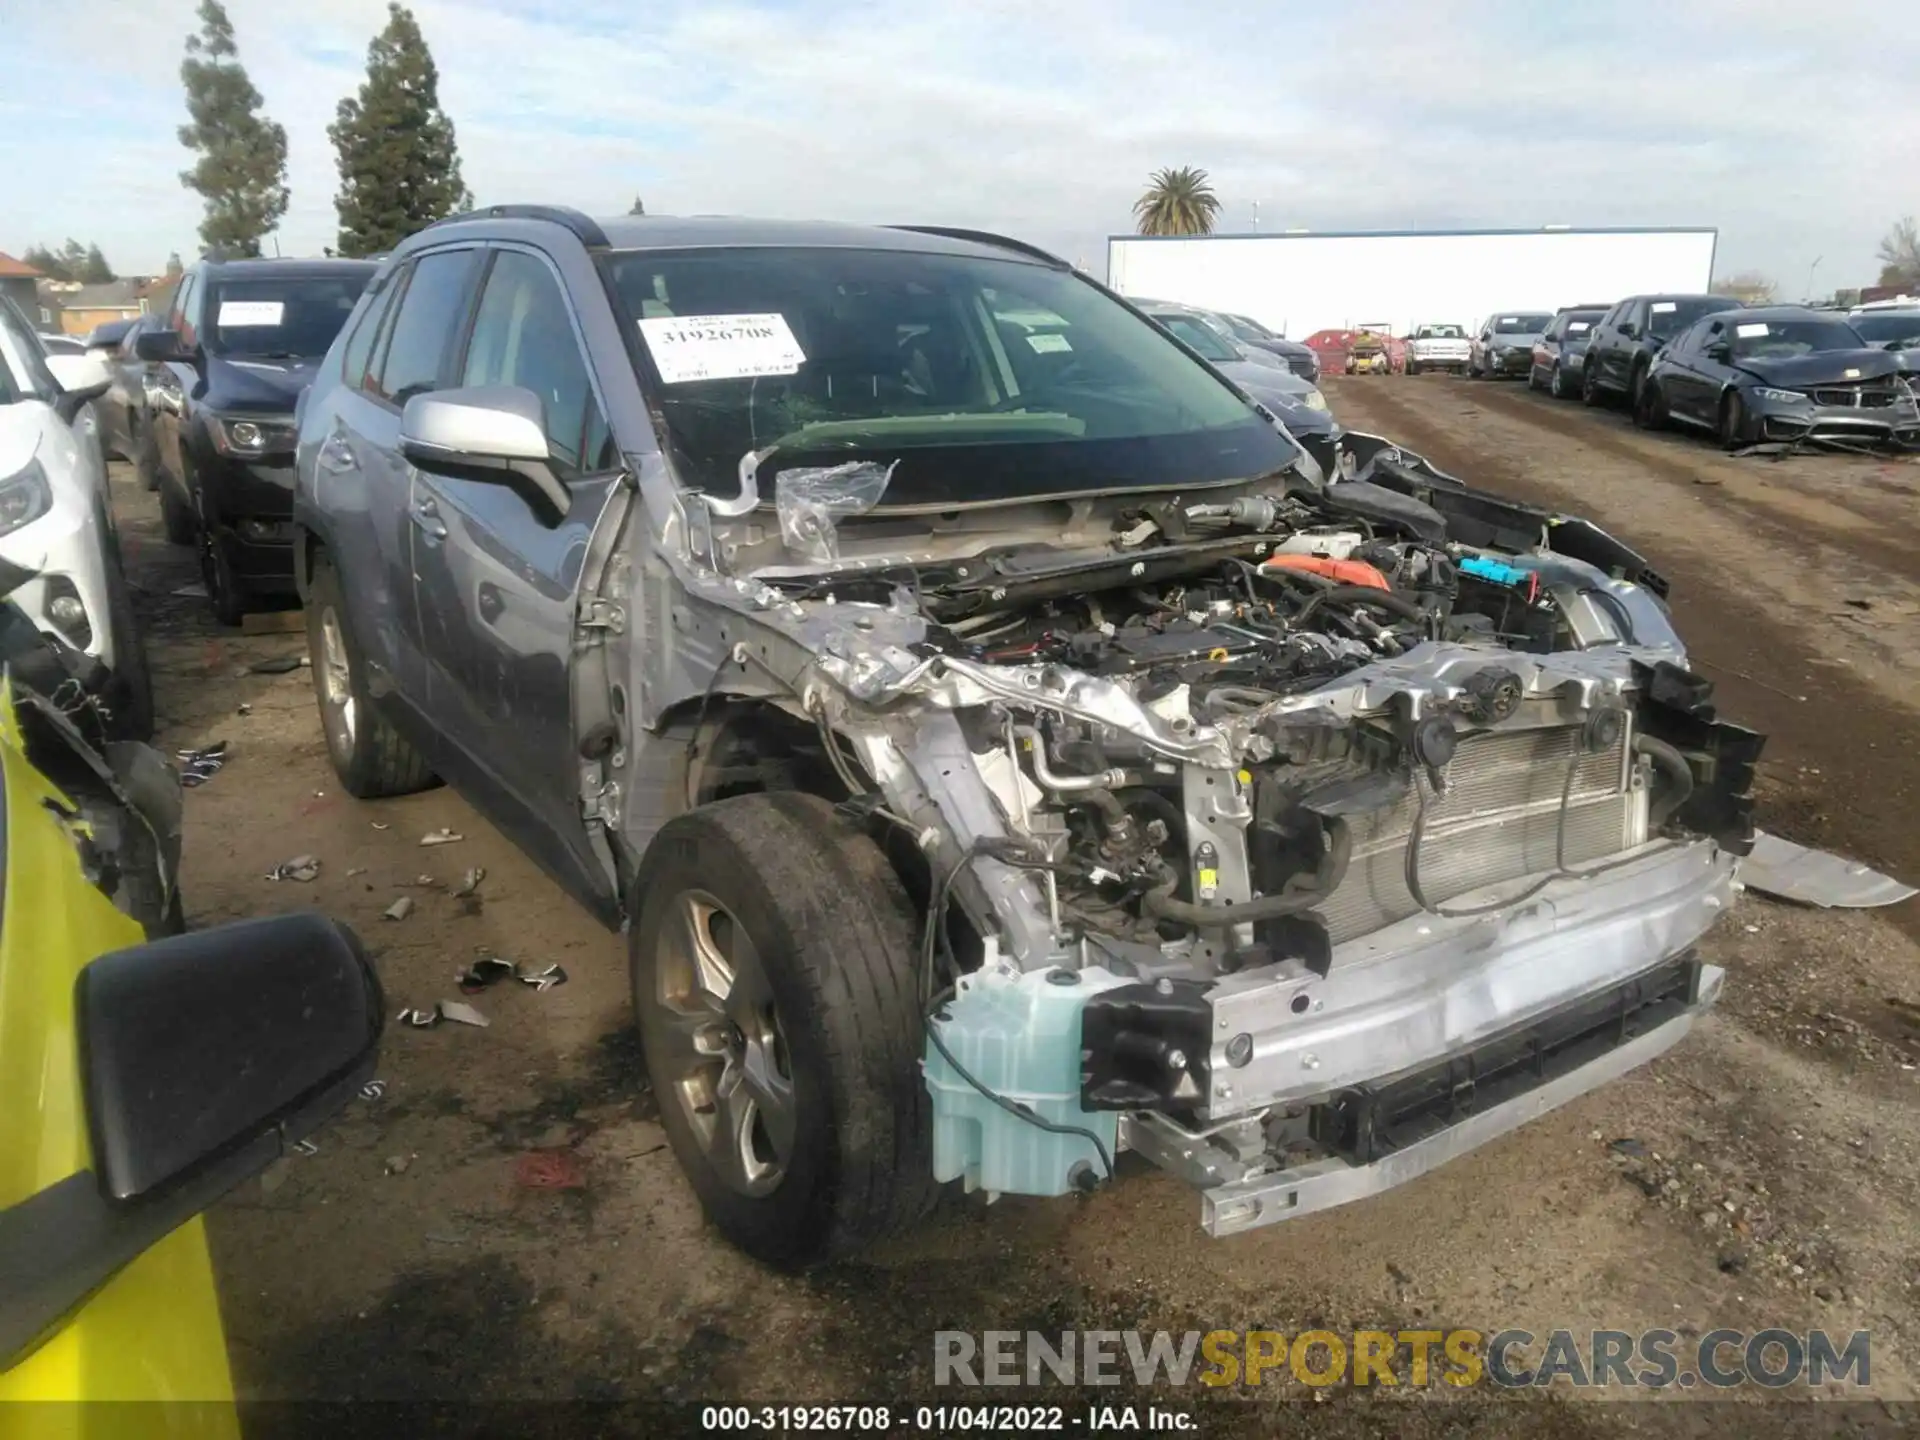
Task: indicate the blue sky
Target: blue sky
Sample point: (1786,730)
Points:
(1794,129)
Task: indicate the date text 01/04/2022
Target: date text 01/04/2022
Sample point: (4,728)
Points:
(945,1419)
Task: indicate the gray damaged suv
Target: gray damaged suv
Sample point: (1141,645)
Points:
(1000,748)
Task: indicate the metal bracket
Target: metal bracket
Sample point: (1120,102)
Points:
(597,614)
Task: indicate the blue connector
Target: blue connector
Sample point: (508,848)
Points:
(1496,573)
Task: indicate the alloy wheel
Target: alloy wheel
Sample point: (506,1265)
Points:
(721,1047)
(336,675)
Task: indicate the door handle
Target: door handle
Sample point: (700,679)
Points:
(426,514)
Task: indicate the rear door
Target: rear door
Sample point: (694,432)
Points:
(401,348)
(497,589)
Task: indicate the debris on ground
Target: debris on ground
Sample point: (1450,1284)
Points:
(490,970)
(278,664)
(275,1175)
(557,1169)
(356,870)
(399,909)
(381,825)
(305,1147)
(373,1090)
(200,765)
(470,882)
(453,1011)
(440,837)
(396,1164)
(302,868)
(243,709)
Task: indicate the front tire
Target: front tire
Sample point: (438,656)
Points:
(1590,393)
(771,955)
(132,677)
(1649,405)
(1557,383)
(370,756)
(1733,422)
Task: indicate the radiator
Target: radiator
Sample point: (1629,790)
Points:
(1497,821)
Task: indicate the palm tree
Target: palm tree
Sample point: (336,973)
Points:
(1177,202)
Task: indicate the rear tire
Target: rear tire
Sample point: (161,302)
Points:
(1557,383)
(772,960)
(370,756)
(1649,405)
(146,454)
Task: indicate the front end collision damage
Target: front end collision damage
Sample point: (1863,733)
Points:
(1420,901)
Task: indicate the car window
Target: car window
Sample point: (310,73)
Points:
(1523,324)
(1669,317)
(23,367)
(981,376)
(1784,339)
(180,318)
(430,315)
(279,317)
(1897,328)
(523,336)
(359,347)
(1204,340)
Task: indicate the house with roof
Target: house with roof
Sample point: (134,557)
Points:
(82,308)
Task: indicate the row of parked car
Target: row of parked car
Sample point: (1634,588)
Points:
(1745,374)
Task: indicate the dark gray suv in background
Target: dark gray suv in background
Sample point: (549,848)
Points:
(1001,745)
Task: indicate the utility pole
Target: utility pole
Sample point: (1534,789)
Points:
(1256,215)
(1810,269)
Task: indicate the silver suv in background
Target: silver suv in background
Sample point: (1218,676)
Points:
(1503,349)
(999,746)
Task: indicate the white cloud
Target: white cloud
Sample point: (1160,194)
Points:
(1791,131)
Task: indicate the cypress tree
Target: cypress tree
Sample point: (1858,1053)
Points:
(242,169)
(399,166)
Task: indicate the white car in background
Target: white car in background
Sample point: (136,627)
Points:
(56,518)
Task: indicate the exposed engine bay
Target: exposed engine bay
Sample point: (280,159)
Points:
(1298,839)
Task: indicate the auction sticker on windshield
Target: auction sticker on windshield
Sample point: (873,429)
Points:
(721,347)
(250,312)
(1747,332)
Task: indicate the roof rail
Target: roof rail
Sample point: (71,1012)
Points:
(987,237)
(580,224)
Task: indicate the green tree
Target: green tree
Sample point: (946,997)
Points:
(399,166)
(1177,202)
(1749,287)
(242,169)
(1900,254)
(47,262)
(96,271)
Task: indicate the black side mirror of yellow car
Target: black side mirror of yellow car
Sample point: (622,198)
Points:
(203,1057)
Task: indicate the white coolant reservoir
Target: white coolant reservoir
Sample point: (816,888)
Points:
(1333,544)
(1018,1034)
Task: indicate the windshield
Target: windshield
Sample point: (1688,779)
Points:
(1667,318)
(1782,339)
(1439,332)
(1899,328)
(1249,329)
(1202,338)
(275,317)
(986,379)
(1520,324)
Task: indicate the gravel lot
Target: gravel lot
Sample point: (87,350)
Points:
(1765,1171)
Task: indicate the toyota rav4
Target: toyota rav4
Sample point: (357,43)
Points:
(999,747)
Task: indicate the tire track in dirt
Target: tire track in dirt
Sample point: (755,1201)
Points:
(1851,530)
(1843,767)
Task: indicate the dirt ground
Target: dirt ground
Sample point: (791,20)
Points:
(1762,1174)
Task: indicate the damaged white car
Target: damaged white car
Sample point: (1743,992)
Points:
(1003,747)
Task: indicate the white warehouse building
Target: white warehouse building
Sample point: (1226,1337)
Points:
(1299,282)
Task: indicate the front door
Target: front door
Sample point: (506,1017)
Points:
(497,587)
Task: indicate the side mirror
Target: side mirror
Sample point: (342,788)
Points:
(1627,329)
(492,434)
(163,345)
(81,378)
(203,1058)
(1720,350)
